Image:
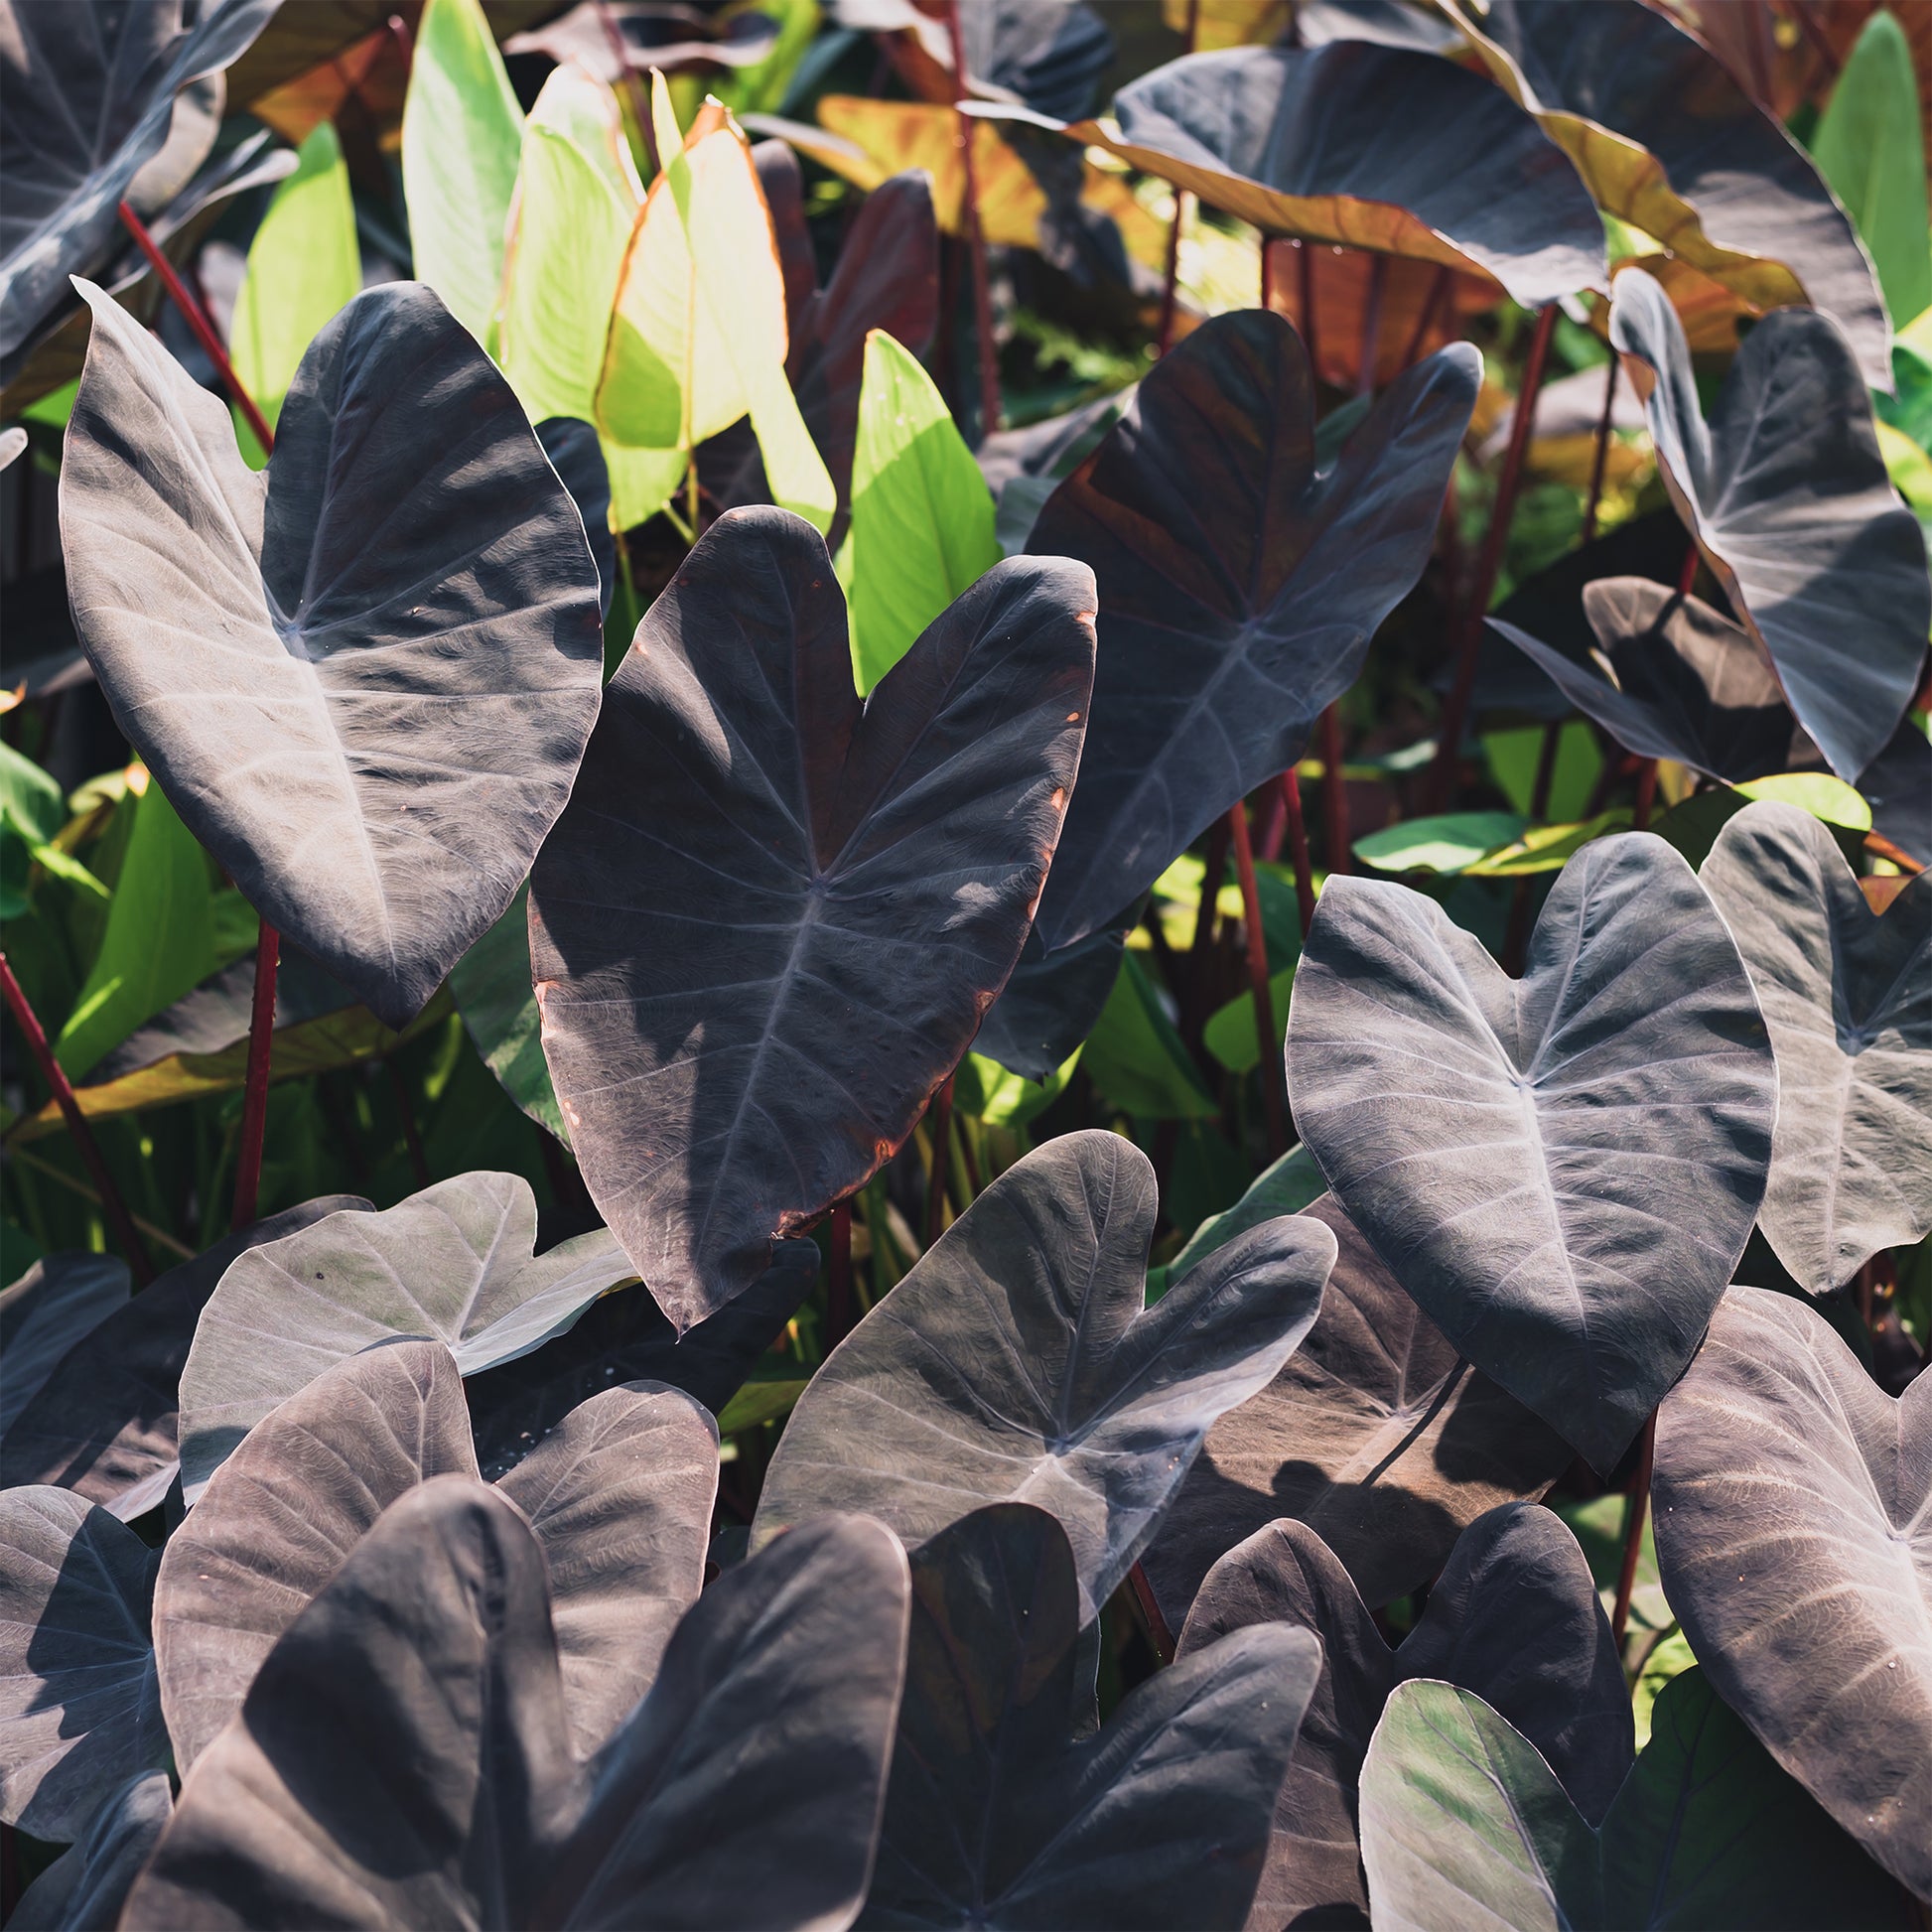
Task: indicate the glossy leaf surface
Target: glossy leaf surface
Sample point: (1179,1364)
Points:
(1014,1363)
(768,924)
(1513,1617)
(745,1788)
(105,1422)
(1562,1171)
(1848,997)
(1238,590)
(1375,1433)
(995,1817)
(366,675)
(1671,678)
(80,1710)
(1794,1539)
(1787,495)
(454,1264)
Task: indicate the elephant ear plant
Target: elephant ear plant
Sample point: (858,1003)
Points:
(1068,994)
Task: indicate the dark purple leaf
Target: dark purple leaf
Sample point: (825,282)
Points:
(59,1300)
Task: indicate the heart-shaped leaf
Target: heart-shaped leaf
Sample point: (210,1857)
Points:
(1562,1171)
(366,677)
(58,1301)
(1794,1538)
(1673,145)
(1372,147)
(80,1708)
(1465,1823)
(1014,1363)
(1514,1618)
(1376,1434)
(91,105)
(105,1422)
(1848,997)
(85,1887)
(456,1262)
(770,922)
(307,1485)
(625,1337)
(403,1757)
(1668,677)
(1787,495)
(1238,590)
(995,1817)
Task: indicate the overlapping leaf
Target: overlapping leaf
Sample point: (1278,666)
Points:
(1368,146)
(105,1422)
(98,109)
(1794,1538)
(86,1885)
(1238,589)
(1375,1433)
(1016,1363)
(61,1299)
(766,927)
(1787,495)
(365,677)
(454,1264)
(1514,1618)
(80,1708)
(1463,1821)
(403,1757)
(1671,144)
(1848,998)
(996,1816)
(1671,678)
(1562,1171)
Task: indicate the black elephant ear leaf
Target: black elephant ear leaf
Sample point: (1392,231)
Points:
(1794,1539)
(105,1422)
(58,1301)
(996,1816)
(645,1457)
(92,99)
(279,1517)
(1376,1434)
(770,922)
(578,459)
(1509,1148)
(1671,143)
(1463,1822)
(403,1757)
(454,1264)
(86,1885)
(627,1337)
(1787,495)
(1848,997)
(1238,590)
(1668,677)
(1369,146)
(80,1707)
(1514,1616)
(363,677)
(1015,1362)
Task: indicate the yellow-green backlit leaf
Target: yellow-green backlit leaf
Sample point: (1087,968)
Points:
(461,146)
(921,514)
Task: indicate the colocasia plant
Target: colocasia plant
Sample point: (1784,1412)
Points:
(966,965)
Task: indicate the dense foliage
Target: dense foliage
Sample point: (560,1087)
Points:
(966,963)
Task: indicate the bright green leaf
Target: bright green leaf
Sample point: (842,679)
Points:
(922,514)
(29,794)
(462,147)
(1231,1034)
(493,993)
(761,87)
(1450,843)
(1000,1097)
(1817,794)
(1547,848)
(304,265)
(159,939)
(1515,754)
(1670,1656)
(1869,149)
(1137,1060)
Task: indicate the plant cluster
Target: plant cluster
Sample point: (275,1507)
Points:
(833,1258)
